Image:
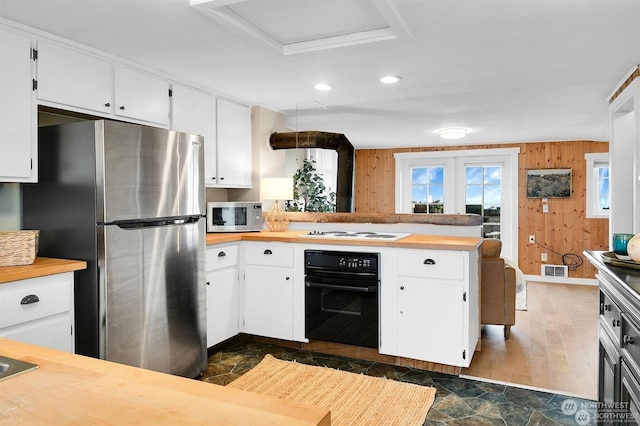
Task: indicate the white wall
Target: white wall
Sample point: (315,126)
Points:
(10,218)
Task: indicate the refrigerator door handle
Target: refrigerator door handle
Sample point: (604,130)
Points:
(143,223)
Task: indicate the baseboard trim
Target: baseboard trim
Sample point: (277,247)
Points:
(577,281)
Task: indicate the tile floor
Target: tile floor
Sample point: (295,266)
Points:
(458,401)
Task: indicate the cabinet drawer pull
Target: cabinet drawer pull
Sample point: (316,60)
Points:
(27,300)
(122,107)
(606,307)
(429,262)
(208,282)
(287,278)
(222,254)
(267,251)
(628,340)
(401,287)
(615,322)
(107,104)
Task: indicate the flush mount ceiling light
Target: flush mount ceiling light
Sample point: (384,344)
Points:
(323,86)
(453,133)
(390,79)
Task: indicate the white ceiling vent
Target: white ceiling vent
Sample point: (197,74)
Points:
(558,271)
(294,26)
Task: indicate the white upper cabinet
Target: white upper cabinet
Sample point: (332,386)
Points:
(73,79)
(234,144)
(18,142)
(194,111)
(141,96)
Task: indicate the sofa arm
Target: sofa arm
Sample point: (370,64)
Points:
(510,295)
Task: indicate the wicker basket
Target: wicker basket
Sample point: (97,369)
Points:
(18,247)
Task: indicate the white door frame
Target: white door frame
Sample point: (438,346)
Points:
(458,159)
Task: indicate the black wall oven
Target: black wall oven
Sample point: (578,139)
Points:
(342,297)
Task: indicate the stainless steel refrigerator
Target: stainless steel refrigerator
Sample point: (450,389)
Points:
(130,201)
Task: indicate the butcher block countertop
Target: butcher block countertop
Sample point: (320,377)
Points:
(73,389)
(416,241)
(41,266)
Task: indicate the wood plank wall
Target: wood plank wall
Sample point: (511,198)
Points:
(565,229)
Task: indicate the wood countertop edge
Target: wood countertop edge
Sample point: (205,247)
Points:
(413,241)
(139,393)
(42,266)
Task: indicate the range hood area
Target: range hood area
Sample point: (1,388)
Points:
(325,140)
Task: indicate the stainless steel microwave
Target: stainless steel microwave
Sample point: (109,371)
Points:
(239,216)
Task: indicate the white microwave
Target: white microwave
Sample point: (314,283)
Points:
(238,216)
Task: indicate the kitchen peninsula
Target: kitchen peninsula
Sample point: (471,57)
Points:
(429,293)
(73,389)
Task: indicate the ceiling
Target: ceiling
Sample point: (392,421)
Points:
(507,70)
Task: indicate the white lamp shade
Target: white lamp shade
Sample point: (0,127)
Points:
(276,189)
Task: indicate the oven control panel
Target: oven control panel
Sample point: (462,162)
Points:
(334,261)
(354,262)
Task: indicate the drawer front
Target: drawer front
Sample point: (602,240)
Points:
(610,316)
(54,333)
(432,264)
(221,257)
(30,301)
(630,338)
(269,255)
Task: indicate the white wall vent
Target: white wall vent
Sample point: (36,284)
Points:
(558,271)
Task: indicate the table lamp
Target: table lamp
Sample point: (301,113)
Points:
(276,189)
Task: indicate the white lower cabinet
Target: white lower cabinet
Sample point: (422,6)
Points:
(268,290)
(39,311)
(222,293)
(429,306)
(430,321)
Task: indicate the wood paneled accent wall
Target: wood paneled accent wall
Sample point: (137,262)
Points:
(565,229)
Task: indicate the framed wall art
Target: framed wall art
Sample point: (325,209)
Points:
(549,183)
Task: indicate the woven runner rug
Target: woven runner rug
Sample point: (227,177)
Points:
(354,399)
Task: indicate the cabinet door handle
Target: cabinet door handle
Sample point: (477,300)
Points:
(122,107)
(628,340)
(615,322)
(222,254)
(31,298)
(267,251)
(401,287)
(107,104)
(208,282)
(222,178)
(287,278)
(429,262)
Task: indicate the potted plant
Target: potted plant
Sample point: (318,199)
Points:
(309,191)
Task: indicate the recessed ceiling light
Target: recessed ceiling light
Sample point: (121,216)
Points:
(390,79)
(323,86)
(453,133)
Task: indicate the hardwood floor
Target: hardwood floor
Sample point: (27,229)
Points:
(553,346)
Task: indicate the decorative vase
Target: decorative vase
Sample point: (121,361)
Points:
(633,248)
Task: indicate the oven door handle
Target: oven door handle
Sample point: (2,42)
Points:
(369,289)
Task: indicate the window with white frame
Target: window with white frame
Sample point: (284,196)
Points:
(427,189)
(598,197)
(483,196)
